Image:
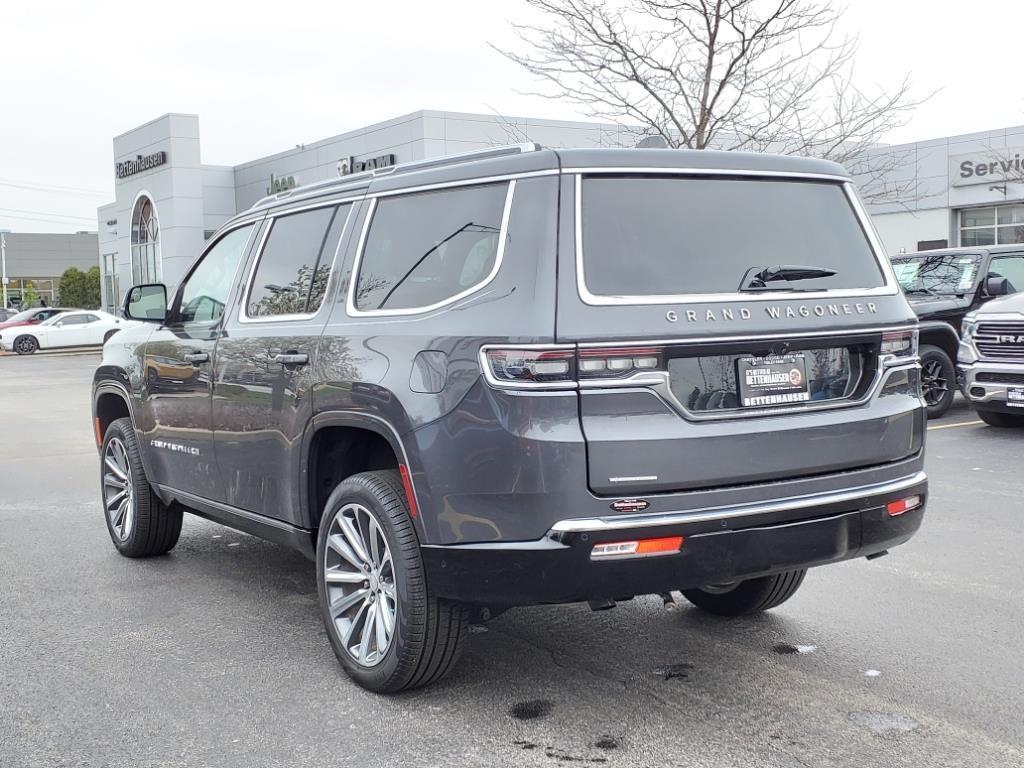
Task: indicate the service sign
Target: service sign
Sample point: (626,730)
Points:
(990,166)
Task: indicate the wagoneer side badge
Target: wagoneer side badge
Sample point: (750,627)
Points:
(630,505)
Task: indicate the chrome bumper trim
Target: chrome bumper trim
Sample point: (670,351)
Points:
(620,522)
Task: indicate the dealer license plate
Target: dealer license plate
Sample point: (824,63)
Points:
(775,380)
(1015,397)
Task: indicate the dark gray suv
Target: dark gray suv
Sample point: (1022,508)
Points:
(526,376)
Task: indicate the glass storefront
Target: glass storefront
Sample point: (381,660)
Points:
(996,225)
(110,286)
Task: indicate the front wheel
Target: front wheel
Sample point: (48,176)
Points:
(1000,419)
(26,345)
(937,379)
(387,629)
(741,598)
(139,523)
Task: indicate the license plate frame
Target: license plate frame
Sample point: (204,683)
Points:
(1015,397)
(773,380)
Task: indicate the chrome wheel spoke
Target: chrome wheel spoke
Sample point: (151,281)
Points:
(387,621)
(115,500)
(374,548)
(115,468)
(338,543)
(345,602)
(353,537)
(337,576)
(347,639)
(364,639)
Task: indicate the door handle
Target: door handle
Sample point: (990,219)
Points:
(291,358)
(197,357)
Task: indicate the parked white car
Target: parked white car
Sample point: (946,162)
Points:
(78,328)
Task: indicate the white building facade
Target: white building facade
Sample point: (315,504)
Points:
(961,190)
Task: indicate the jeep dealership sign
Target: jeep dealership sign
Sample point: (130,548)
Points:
(991,166)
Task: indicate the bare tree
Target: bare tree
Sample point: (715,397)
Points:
(758,75)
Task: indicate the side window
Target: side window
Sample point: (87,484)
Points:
(1010,267)
(206,291)
(426,247)
(295,264)
(90,318)
(73,320)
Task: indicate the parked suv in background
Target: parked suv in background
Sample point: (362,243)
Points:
(527,376)
(942,287)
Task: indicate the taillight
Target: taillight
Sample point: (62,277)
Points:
(899,344)
(530,366)
(621,363)
(897,508)
(563,367)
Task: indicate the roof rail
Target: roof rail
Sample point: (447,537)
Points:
(413,165)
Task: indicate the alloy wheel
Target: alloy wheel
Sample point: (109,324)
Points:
(359,575)
(26,345)
(933,384)
(118,489)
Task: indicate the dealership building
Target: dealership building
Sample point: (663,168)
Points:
(960,190)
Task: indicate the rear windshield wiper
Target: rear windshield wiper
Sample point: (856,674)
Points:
(757,278)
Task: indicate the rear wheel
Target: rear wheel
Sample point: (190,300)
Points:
(26,345)
(741,598)
(140,525)
(1000,419)
(387,629)
(937,379)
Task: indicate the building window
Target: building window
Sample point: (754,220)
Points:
(997,225)
(110,286)
(145,242)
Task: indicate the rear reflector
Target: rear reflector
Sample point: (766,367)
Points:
(410,494)
(638,548)
(895,508)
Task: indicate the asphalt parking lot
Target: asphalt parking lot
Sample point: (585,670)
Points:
(215,654)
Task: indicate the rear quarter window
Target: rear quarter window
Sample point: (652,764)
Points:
(427,248)
(672,236)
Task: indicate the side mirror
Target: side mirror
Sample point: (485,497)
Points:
(146,302)
(997,286)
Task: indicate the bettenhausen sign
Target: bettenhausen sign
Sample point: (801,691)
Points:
(349,165)
(991,166)
(139,164)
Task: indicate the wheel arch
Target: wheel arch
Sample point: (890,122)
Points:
(378,431)
(940,334)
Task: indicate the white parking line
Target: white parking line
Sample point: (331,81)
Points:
(957,424)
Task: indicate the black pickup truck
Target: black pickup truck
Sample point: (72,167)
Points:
(943,286)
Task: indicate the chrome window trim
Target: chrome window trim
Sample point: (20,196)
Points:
(889,288)
(581,524)
(243,314)
(350,302)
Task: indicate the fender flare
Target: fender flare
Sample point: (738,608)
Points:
(108,386)
(942,332)
(360,420)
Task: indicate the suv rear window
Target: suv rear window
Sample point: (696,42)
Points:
(658,236)
(427,248)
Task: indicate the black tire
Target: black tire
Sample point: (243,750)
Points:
(938,380)
(154,527)
(428,632)
(1000,419)
(26,345)
(750,596)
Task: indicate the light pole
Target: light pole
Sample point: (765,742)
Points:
(3,266)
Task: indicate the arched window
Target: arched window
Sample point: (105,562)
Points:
(145,242)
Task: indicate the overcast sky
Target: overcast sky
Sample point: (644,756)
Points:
(263,79)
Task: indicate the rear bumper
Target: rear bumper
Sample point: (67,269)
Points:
(720,545)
